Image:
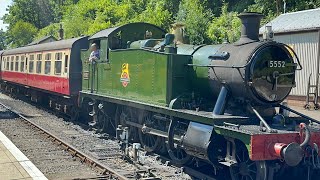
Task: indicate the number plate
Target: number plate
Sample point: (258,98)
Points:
(276,64)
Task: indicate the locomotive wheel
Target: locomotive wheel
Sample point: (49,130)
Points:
(246,169)
(124,114)
(176,153)
(150,142)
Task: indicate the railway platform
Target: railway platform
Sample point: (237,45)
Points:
(14,164)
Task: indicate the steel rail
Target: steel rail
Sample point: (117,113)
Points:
(105,170)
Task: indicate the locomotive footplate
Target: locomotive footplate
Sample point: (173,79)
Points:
(291,146)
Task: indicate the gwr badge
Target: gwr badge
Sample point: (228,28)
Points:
(125,77)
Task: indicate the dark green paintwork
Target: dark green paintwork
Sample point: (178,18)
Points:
(155,77)
(199,75)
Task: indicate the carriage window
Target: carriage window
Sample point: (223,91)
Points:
(58,56)
(22,63)
(8,63)
(11,63)
(16,67)
(31,66)
(22,66)
(47,56)
(38,68)
(39,56)
(31,57)
(47,67)
(31,63)
(58,63)
(57,67)
(39,63)
(4,62)
(66,63)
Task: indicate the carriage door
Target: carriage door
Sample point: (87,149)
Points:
(25,70)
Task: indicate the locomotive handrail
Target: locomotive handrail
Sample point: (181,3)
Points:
(296,112)
(295,54)
(262,120)
(219,66)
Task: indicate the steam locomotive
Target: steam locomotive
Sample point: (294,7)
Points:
(220,104)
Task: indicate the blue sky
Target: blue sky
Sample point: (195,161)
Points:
(3,6)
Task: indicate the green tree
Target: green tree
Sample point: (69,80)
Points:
(155,13)
(196,19)
(20,34)
(52,29)
(36,12)
(225,27)
(2,39)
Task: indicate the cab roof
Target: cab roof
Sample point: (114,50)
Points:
(131,27)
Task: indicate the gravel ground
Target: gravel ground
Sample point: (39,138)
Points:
(89,142)
(54,162)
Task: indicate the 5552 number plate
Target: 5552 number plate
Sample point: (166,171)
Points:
(276,64)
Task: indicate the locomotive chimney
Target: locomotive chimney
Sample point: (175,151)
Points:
(250,27)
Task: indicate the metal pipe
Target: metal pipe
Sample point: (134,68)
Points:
(306,130)
(222,100)
(93,76)
(262,120)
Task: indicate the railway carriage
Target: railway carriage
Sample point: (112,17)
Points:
(49,73)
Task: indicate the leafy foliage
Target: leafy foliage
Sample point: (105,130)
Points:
(39,13)
(155,13)
(2,39)
(206,21)
(196,18)
(52,29)
(21,34)
(226,27)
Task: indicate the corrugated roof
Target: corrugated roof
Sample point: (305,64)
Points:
(296,21)
(62,44)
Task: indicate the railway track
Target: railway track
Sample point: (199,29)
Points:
(98,151)
(104,171)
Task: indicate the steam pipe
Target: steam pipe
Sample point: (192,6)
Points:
(222,100)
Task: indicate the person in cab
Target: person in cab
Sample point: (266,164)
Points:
(95,54)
